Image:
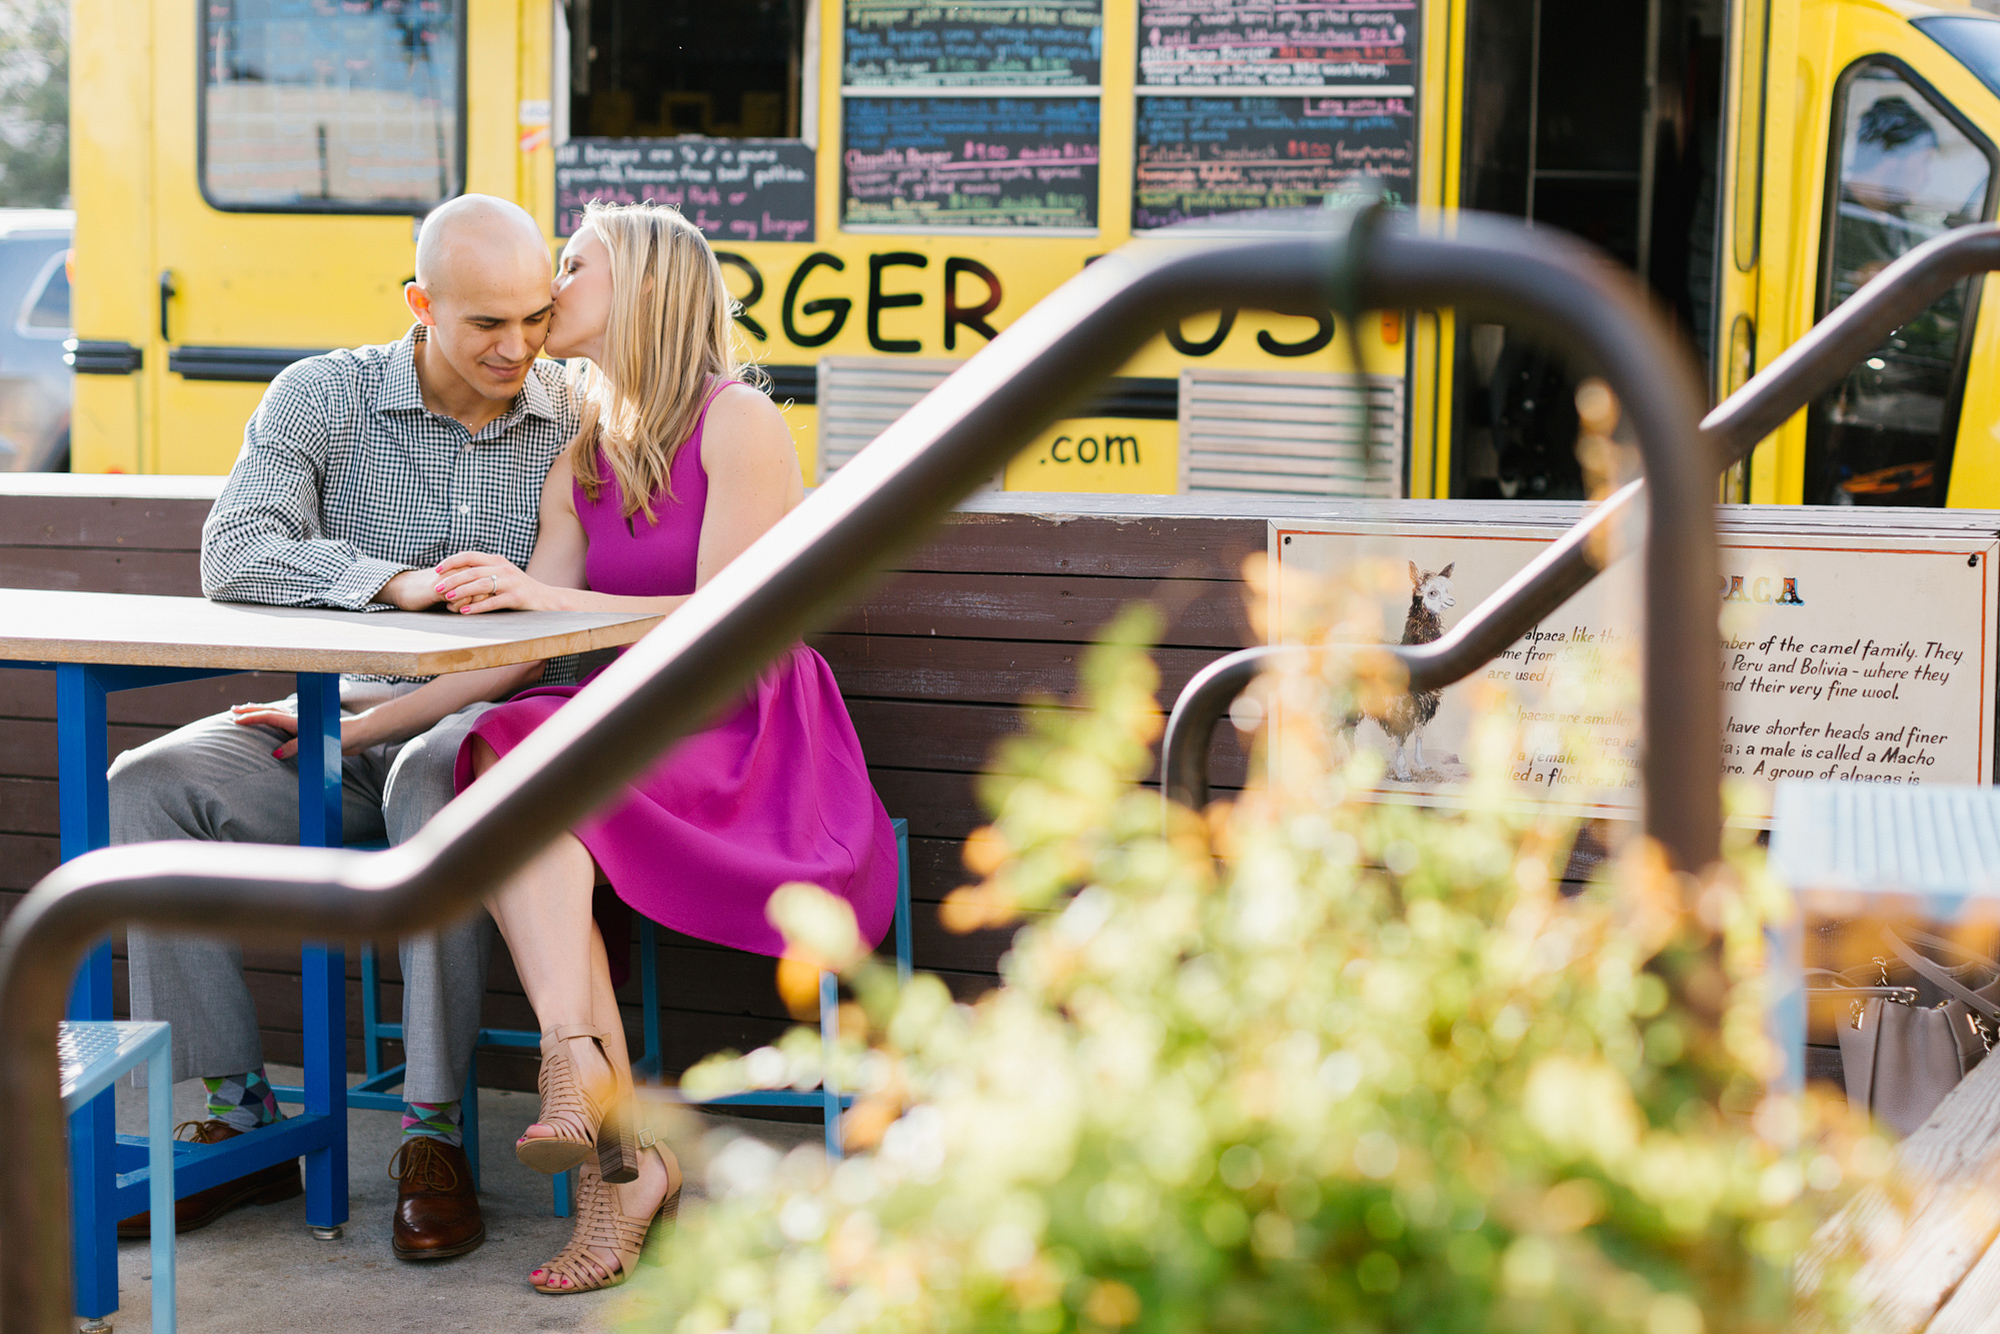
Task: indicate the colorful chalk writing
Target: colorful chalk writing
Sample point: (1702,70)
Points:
(733,189)
(970,163)
(1278,43)
(1202,156)
(972,43)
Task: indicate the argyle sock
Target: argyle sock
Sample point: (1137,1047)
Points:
(244,1101)
(439,1120)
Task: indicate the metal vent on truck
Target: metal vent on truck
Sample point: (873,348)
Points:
(1288,433)
(860,396)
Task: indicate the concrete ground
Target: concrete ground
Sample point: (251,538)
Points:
(259,1269)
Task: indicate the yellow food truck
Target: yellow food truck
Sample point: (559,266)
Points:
(890,183)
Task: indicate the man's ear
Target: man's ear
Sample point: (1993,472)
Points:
(419,302)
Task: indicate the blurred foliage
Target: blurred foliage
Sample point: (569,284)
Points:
(1305,1062)
(34,104)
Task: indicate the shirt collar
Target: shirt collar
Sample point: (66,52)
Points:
(402,392)
(534,398)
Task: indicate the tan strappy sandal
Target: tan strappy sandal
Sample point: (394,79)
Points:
(600,1225)
(563,1096)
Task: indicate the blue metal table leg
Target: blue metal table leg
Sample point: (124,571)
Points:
(324,966)
(319,759)
(85,815)
(82,755)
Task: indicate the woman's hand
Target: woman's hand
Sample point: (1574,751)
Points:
(356,733)
(473,581)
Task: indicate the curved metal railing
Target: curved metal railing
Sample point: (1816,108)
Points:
(1801,373)
(795,578)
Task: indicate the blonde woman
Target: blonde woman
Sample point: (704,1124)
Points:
(677,466)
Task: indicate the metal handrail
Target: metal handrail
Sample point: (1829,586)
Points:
(795,577)
(1799,374)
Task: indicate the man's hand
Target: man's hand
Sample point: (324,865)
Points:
(412,590)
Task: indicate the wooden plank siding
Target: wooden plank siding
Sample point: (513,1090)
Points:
(934,663)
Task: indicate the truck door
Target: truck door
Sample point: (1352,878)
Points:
(1904,165)
(293,143)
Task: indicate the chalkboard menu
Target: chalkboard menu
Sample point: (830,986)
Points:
(1202,156)
(1279,44)
(972,44)
(733,189)
(969,163)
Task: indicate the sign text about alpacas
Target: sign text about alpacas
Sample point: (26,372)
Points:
(1800,699)
(1843,657)
(1548,758)
(1823,697)
(1792,708)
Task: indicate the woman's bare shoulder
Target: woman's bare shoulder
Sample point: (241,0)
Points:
(739,402)
(744,427)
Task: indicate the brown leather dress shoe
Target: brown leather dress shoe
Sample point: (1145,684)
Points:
(437,1213)
(267,1185)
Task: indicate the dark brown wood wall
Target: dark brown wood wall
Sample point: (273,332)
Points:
(934,664)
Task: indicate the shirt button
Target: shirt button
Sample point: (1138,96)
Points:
(465,509)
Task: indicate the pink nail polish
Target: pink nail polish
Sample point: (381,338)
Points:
(278,754)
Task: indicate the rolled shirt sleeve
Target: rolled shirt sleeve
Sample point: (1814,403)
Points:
(263,541)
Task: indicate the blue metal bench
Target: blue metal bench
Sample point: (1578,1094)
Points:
(828,1097)
(93,1055)
(379,1089)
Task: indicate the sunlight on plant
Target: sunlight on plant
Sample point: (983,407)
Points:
(1303,1062)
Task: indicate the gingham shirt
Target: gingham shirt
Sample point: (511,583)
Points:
(346,480)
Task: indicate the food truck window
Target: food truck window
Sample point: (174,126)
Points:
(317,106)
(1904,167)
(1974,40)
(654,69)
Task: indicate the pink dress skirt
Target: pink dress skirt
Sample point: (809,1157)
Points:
(777,791)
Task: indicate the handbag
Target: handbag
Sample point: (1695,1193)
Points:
(1899,1058)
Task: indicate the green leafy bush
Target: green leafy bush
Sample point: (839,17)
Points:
(1305,1063)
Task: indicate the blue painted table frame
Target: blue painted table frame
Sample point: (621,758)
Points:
(109,1179)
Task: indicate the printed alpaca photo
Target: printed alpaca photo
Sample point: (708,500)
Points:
(1403,719)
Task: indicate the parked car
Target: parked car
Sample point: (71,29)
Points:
(34,323)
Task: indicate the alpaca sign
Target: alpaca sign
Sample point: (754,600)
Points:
(1856,645)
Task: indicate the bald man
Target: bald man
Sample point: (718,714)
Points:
(360,471)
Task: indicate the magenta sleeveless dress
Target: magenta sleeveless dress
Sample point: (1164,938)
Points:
(777,791)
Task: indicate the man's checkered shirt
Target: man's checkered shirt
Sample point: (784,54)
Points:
(346,480)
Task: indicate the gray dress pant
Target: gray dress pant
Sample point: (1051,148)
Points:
(215,780)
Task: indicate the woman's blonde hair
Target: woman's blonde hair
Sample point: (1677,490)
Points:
(670,336)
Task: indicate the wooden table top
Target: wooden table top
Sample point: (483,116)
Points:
(133,630)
